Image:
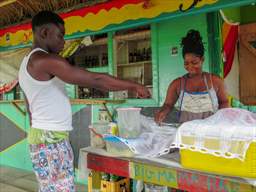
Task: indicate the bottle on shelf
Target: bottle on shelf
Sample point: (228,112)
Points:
(89,61)
(144,54)
(135,55)
(138,55)
(94,61)
(105,176)
(104,59)
(131,57)
(114,178)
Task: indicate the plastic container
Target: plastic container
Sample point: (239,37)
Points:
(117,148)
(219,165)
(128,120)
(96,130)
(104,116)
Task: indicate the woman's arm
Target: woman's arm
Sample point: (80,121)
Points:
(221,92)
(170,100)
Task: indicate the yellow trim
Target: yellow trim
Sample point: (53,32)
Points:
(12,146)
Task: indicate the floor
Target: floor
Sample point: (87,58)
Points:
(17,180)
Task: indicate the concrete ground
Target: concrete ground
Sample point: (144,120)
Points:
(17,180)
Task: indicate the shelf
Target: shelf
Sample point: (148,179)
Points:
(134,64)
(101,41)
(142,35)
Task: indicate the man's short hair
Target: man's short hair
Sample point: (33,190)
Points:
(46,17)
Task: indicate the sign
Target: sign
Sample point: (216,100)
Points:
(194,182)
(108,165)
(153,174)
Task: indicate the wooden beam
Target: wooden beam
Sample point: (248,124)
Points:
(7,2)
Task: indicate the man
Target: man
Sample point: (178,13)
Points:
(42,75)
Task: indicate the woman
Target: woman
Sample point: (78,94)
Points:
(199,94)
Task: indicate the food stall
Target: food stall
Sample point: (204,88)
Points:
(140,47)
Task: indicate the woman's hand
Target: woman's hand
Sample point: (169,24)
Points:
(161,115)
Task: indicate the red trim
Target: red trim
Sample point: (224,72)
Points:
(15,28)
(8,87)
(108,164)
(80,12)
(95,9)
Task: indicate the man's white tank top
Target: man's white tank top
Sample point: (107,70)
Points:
(48,102)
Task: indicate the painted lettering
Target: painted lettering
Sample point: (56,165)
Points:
(195,2)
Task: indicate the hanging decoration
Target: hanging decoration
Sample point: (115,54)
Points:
(230,38)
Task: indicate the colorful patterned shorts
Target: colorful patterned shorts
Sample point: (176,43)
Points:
(53,166)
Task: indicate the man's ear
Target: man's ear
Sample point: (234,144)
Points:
(43,32)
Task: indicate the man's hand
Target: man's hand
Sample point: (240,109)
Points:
(142,92)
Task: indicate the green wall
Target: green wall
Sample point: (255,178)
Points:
(248,14)
(169,34)
(244,14)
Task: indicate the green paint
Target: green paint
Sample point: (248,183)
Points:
(111,68)
(9,95)
(76,108)
(155,70)
(98,69)
(71,90)
(215,43)
(11,112)
(232,14)
(248,14)
(17,156)
(244,14)
(152,174)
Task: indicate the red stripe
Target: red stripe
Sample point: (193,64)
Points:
(230,48)
(81,12)
(95,9)
(108,165)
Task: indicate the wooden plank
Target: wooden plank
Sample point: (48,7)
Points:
(153,174)
(108,164)
(196,182)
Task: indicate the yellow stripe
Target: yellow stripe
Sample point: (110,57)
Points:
(12,146)
(96,22)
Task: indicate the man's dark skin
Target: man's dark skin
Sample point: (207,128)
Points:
(43,66)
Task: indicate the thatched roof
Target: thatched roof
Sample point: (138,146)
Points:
(19,11)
